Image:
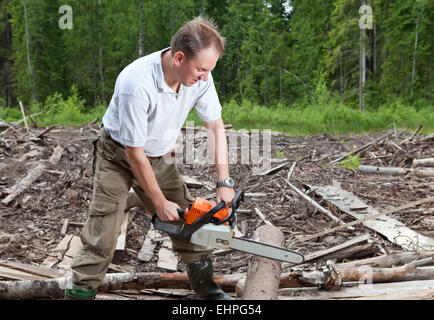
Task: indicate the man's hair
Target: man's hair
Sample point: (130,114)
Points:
(197,34)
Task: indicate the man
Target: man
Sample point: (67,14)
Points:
(151,101)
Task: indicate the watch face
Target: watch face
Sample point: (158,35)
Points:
(230,182)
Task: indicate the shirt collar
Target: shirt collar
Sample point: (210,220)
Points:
(160,75)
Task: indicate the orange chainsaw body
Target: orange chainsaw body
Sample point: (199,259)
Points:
(201,206)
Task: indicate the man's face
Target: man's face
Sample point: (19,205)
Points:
(192,70)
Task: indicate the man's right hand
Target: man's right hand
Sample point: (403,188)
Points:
(167,210)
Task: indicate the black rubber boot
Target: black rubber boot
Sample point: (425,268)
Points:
(202,281)
(79,293)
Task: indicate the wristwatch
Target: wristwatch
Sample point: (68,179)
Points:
(229,182)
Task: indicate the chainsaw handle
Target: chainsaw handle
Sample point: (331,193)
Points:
(235,204)
(181,213)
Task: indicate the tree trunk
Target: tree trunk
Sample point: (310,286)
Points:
(413,71)
(6,64)
(140,45)
(375,49)
(29,65)
(100,51)
(362,75)
(263,275)
(341,88)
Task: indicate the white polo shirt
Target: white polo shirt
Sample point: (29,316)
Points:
(145,112)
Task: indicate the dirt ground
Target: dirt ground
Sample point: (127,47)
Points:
(30,226)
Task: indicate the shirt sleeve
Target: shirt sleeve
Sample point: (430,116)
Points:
(133,120)
(208,104)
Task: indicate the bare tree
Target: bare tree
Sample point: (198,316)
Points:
(29,65)
(141,40)
(101,68)
(413,72)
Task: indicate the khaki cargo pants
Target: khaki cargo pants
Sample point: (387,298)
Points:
(112,181)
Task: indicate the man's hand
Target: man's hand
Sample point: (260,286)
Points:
(225,194)
(166,211)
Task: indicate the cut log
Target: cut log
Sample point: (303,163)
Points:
(396,171)
(381,275)
(387,261)
(400,290)
(427,162)
(263,275)
(32,175)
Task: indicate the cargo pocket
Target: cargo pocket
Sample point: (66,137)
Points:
(108,150)
(102,205)
(99,231)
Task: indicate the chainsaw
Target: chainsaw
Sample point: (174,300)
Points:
(212,226)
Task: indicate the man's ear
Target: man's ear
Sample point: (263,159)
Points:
(179,58)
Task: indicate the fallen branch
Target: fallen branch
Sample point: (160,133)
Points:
(24,115)
(396,171)
(361,148)
(313,202)
(32,176)
(352,242)
(388,260)
(260,215)
(412,136)
(427,162)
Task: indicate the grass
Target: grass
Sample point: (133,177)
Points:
(330,117)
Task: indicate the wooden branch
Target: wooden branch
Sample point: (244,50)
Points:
(408,272)
(45,131)
(24,115)
(412,136)
(291,170)
(361,148)
(260,215)
(29,116)
(263,275)
(352,242)
(32,176)
(427,162)
(387,261)
(275,169)
(314,203)
(396,171)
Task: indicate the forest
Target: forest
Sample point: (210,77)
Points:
(354,55)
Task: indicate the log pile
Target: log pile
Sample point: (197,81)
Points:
(327,212)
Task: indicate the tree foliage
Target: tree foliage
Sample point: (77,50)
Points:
(277,51)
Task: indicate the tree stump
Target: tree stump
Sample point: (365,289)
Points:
(263,275)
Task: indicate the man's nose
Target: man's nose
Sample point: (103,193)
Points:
(204,76)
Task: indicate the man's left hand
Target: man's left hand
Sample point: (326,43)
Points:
(225,194)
